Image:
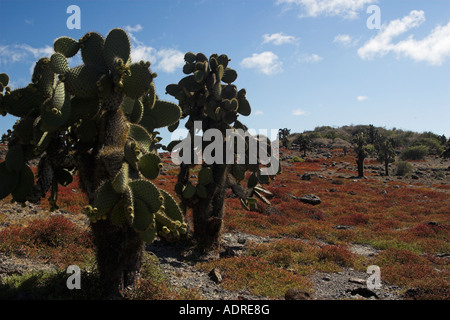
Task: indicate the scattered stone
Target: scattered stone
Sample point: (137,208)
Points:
(296,294)
(311,199)
(363,292)
(357,280)
(306,177)
(352,193)
(215,275)
(339,227)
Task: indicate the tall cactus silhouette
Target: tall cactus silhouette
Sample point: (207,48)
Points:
(360,147)
(208,97)
(97,120)
(385,152)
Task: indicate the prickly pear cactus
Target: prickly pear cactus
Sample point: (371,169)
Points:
(97,120)
(208,96)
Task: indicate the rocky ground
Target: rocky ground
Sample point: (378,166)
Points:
(347,284)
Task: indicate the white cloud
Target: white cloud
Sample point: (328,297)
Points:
(279,39)
(23,52)
(311,58)
(166,60)
(266,62)
(258,113)
(434,48)
(345,40)
(136,28)
(169,60)
(142,52)
(362,98)
(298,112)
(347,9)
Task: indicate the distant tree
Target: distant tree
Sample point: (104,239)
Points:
(385,152)
(304,143)
(283,135)
(345,150)
(372,134)
(360,147)
(446,153)
(443,139)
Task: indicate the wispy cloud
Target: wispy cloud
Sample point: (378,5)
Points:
(279,39)
(345,40)
(22,53)
(434,48)
(362,98)
(347,9)
(298,112)
(166,59)
(310,58)
(258,113)
(169,60)
(131,29)
(266,62)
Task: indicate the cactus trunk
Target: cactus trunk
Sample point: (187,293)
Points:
(209,212)
(119,257)
(360,163)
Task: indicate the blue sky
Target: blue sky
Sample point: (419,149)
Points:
(304,63)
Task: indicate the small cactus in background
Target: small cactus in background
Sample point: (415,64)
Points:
(97,120)
(283,135)
(208,96)
(304,143)
(385,152)
(360,147)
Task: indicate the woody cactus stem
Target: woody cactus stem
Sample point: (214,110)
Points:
(360,142)
(96,120)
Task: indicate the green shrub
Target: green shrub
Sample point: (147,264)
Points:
(297,159)
(403,168)
(433,144)
(415,153)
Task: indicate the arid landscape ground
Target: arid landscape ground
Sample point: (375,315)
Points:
(287,250)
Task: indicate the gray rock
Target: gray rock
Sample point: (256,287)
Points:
(311,199)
